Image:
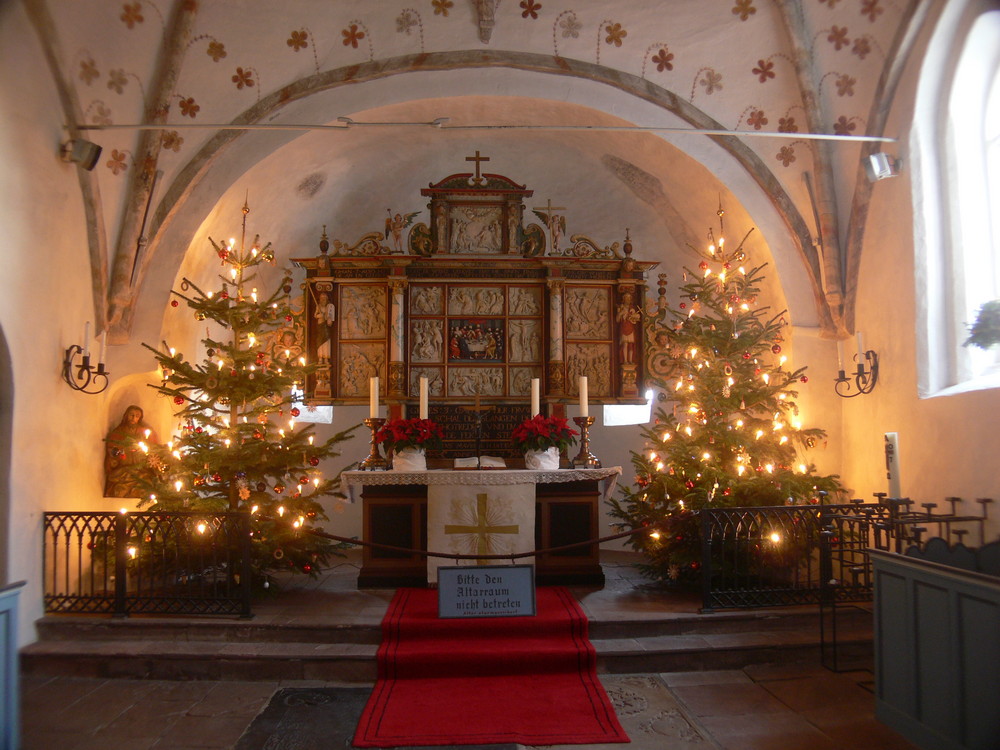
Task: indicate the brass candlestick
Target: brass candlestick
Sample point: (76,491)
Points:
(585,459)
(374,462)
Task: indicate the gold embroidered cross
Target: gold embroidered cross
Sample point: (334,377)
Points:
(481,528)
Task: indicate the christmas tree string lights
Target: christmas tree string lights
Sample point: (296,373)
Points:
(731,435)
(239,446)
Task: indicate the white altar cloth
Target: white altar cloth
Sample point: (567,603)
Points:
(352,482)
(485,511)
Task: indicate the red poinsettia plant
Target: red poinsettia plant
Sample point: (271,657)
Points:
(397,434)
(541,433)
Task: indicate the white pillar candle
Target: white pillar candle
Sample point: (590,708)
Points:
(536,407)
(584,404)
(861,349)
(86,339)
(423,398)
(840,356)
(892,463)
(104,346)
(373,397)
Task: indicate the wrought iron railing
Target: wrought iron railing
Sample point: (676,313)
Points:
(786,555)
(147,562)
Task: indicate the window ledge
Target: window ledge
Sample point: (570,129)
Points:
(986,381)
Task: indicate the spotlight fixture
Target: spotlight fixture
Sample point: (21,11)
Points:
(82,152)
(880,165)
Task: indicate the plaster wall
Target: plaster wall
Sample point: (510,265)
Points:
(45,298)
(947,444)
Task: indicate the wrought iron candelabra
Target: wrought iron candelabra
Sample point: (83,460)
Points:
(88,379)
(585,459)
(375,461)
(864,378)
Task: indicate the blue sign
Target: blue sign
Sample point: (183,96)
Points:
(486,591)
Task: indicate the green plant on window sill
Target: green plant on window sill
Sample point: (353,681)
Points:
(985,332)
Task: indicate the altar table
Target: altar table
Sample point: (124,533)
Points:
(489,511)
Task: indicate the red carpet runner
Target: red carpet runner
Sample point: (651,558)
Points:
(480,681)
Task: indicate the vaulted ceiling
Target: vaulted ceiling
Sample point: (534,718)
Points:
(202,104)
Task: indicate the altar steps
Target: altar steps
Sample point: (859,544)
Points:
(215,649)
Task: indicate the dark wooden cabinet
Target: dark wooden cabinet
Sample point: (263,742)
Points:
(565,514)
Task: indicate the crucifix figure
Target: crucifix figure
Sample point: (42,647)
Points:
(479,428)
(481,528)
(477,180)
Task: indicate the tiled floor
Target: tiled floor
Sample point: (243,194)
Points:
(758,708)
(752,709)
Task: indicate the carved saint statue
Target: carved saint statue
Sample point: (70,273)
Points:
(125,461)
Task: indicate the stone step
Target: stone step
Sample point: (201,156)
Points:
(199,659)
(101,628)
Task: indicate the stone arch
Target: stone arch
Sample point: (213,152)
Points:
(184,186)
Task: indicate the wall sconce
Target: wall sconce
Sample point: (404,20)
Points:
(81,152)
(879,166)
(864,377)
(87,378)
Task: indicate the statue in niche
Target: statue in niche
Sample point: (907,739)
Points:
(627,317)
(326,316)
(126,464)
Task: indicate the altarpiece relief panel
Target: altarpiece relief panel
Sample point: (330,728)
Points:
(477,302)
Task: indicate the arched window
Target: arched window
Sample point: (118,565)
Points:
(956,158)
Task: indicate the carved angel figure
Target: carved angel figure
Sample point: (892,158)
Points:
(394,226)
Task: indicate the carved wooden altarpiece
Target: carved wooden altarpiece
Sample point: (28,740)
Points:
(478,303)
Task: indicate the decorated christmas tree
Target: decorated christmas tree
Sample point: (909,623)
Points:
(731,435)
(239,447)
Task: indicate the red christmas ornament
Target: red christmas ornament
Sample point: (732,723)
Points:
(703,265)
(178,400)
(726,266)
(746,355)
(174,303)
(306,568)
(776,349)
(689,484)
(313,461)
(804,379)
(295,411)
(217,477)
(303,480)
(288,318)
(224,295)
(279,488)
(682,305)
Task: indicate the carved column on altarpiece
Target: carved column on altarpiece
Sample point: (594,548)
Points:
(556,364)
(397,327)
(628,325)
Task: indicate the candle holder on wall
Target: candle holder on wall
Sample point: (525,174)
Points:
(375,461)
(88,379)
(864,378)
(585,459)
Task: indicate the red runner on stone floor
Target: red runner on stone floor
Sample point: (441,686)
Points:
(482,680)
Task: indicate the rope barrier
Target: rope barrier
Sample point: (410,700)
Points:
(450,556)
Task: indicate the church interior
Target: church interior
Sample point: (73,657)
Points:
(852,145)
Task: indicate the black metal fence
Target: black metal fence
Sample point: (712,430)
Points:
(787,555)
(147,562)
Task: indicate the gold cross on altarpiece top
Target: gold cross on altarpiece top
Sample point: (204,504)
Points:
(482,528)
(477,180)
